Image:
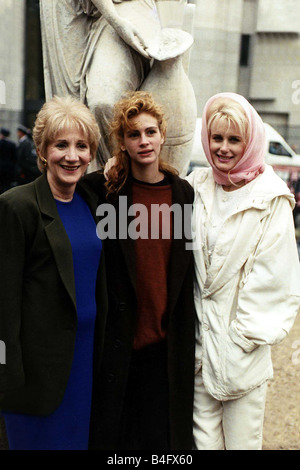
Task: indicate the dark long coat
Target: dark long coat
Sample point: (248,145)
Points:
(110,383)
(37,299)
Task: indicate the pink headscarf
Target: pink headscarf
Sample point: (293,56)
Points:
(252,162)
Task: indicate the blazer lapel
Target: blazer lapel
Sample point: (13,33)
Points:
(56,234)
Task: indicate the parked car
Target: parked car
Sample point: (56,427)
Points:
(286,164)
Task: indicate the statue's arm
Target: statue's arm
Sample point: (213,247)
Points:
(122,26)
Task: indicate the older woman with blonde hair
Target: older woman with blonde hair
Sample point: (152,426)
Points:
(52,295)
(57,115)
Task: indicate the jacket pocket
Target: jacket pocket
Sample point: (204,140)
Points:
(243,371)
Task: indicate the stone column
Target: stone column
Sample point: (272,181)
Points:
(12,66)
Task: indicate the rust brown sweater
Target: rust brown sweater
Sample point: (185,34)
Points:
(152,253)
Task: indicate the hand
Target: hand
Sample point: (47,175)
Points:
(108,165)
(125,29)
(131,36)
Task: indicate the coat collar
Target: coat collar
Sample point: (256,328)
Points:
(46,200)
(45,197)
(265,187)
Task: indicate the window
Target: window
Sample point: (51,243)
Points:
(276,148)
(245,50)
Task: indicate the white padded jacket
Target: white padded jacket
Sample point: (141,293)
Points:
(247,296)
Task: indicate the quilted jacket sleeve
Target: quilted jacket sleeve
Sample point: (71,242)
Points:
(269,294)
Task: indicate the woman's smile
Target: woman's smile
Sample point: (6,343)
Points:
(226,145)
(68,157)
(70,168)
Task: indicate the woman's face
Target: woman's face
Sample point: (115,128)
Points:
(68,157)
(226,145)
(143,143)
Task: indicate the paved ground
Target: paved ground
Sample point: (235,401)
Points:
(282,416)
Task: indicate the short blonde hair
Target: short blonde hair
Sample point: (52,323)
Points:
(231,112)
(59,114)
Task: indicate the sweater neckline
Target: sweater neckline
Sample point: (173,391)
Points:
(164,182)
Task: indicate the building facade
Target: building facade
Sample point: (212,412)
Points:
(251,47)
(21,70)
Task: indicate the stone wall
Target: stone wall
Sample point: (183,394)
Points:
(12,53)
(215,54)
(271,78)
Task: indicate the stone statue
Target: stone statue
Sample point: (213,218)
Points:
(97,50)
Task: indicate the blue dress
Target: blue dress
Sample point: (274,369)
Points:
(67,428)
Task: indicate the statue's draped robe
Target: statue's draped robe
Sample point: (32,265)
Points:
(85,57)
(71,30)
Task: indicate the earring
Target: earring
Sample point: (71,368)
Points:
(123,148)
(44,161)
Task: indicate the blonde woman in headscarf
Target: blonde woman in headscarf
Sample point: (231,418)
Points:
(247,275)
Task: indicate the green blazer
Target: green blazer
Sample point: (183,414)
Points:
(38,315)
